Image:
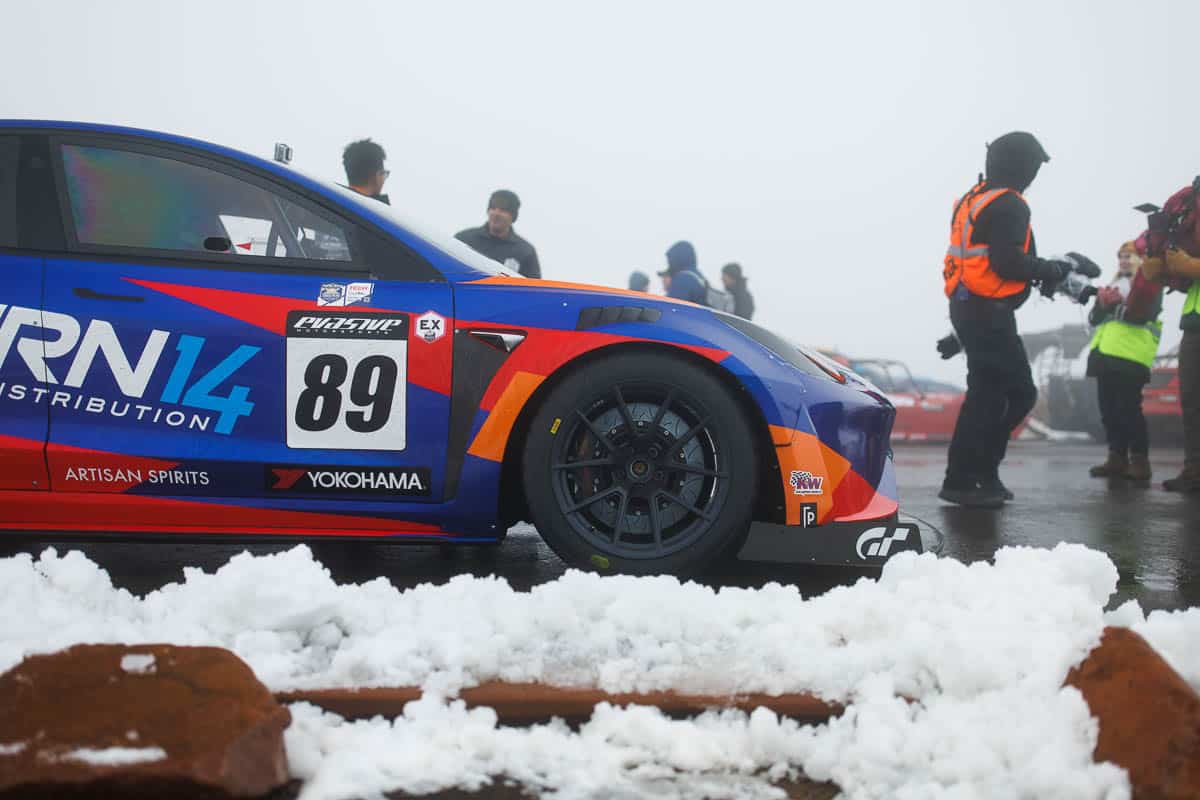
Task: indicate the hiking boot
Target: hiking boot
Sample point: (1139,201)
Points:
(973,494)
(1113,468)
(1138,470)
(1186,481)
(994,483)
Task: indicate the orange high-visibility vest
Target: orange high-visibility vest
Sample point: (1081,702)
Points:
(969,263)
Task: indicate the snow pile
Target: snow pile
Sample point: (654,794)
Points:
(980,649)
(1005,743)
(933,625)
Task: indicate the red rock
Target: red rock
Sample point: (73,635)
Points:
(219,730)
(528,703)
(1149,716)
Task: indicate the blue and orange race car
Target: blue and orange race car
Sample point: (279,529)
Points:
(195,341)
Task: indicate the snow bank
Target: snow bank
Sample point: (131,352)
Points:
(980,649)
(1005,743)
(934,625)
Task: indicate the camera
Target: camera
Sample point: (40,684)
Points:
(1077,284)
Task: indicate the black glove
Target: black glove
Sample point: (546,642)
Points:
(1053,270)
(949,346)
(1050,273)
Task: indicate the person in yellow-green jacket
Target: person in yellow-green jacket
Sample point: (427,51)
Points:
(1125,314)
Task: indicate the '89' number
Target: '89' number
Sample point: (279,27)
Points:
(372,389)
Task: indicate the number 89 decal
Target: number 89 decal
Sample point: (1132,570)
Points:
(346,380)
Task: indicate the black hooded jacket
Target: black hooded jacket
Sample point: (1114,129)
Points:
(1013,161)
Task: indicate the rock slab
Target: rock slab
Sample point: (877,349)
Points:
(1149,716)
(139,721)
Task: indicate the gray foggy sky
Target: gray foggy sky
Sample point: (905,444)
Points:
(821,145)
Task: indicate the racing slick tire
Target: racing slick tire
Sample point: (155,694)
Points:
(641,463)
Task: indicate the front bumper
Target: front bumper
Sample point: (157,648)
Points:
(867,543)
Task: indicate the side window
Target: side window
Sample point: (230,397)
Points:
(10,150)
(121,198)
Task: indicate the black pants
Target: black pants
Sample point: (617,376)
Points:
(1000,389)
(1189,390)
(1120,394)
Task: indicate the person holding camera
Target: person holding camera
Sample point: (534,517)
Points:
(1123,348)
(1172,243)
(988,270)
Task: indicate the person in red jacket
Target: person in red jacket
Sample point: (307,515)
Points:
(1175,260)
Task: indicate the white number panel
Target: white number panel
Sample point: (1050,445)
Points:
(346,380)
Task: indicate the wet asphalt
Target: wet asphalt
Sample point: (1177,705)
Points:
(1152,536)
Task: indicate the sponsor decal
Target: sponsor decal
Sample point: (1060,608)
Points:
(190,399)
(808,515)
(345,325)
(431,326)
(332,294)
(806,483)
(396,481)
(345,294)
(159,477)
(878,541)
(346,381)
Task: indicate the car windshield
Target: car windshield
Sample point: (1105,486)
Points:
(439,239)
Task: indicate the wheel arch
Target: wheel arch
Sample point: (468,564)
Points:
(769,505)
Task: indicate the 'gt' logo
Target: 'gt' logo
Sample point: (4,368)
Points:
(880,541)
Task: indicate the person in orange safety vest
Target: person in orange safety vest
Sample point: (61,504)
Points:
(988,269)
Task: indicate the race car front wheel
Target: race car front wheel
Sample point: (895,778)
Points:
(641,463)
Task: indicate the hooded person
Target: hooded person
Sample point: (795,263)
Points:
(1125,315)
(735,284)
(681,279)
(988,271)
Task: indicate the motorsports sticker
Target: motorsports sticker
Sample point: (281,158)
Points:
(65,358)
(399,481)
(346,380)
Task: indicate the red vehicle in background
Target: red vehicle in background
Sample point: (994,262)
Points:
(1160,400)
(926,410)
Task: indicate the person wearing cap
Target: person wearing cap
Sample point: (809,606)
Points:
(735,284)
(988,269)
(681,279)
(1125,314)
(638,281)
(365,173)
(497,240)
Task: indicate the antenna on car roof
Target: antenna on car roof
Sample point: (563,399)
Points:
(283,153)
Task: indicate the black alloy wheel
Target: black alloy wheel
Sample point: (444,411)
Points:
(641,463)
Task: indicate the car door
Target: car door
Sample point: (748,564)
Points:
(25,185)
(237,337)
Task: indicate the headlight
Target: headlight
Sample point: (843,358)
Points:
(799,358)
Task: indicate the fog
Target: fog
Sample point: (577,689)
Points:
(819,145)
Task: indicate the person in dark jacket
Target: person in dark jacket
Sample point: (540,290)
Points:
(735,284)
(681,279)
(497,240)
(990,265)
(365,173)
(1125,315)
